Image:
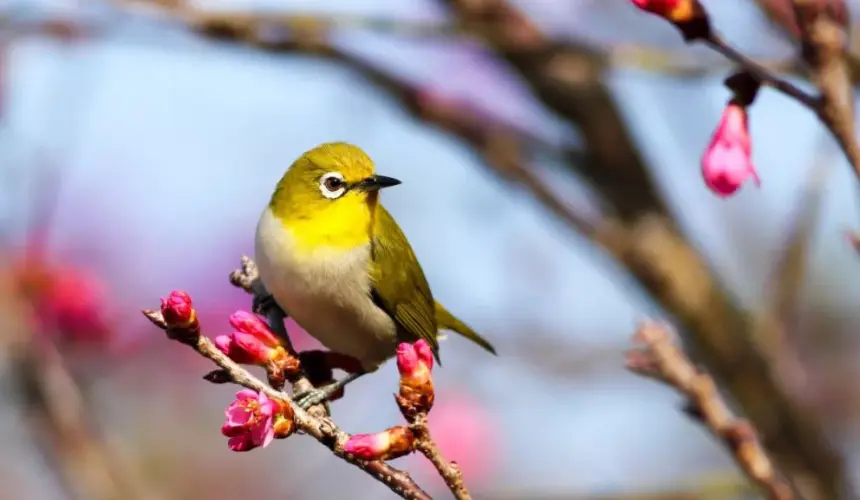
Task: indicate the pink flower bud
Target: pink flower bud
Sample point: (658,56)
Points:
(386,445)
(225,344)
(249,421)
(249,323)
(415,361)
(727,162)
(177,310)
(415,364)
(246,348)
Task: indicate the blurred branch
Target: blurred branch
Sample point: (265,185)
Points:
(661,359)
(503,147)
(778,312)
(781,15)
(568,79)
(824,41)
(60,419)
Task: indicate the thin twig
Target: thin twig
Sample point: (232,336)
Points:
(661,359)
(763,74)
(323,430)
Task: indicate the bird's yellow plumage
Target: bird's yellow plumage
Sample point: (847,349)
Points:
(335,260)
(315,221)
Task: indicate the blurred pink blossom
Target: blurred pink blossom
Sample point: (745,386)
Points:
(69,303)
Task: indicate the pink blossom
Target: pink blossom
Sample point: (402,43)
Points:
(177,309)
(727,162)
(386,445)
(249,421)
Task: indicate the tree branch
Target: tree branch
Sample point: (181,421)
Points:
(824,42)
(661,359)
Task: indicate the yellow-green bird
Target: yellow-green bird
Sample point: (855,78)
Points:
(336,261)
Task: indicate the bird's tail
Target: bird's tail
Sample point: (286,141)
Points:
(447,321)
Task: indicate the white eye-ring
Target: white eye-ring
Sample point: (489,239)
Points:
(332,185)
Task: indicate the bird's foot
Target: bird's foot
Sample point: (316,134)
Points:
(262,303)
(315,396)
(325,393)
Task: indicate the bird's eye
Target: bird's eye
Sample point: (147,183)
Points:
(332,185)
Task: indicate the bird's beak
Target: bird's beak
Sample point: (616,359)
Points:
(376,182)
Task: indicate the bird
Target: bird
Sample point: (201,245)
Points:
(336,261)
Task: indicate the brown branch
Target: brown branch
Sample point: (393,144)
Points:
(322,429)
(450,472)
(63,427)
(779,310)
(763,74)
(661,359)
(824,42)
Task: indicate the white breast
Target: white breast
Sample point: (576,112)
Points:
(326,292)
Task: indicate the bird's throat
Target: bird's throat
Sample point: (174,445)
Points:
(339,226)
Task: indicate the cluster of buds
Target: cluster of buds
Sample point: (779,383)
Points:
(415,398)
(253,343)
(254,419)
(687,15)
(180,317)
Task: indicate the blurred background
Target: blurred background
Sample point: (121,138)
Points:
(139,143)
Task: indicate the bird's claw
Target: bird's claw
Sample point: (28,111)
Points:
(313,397)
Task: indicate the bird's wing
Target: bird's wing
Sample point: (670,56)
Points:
(399,285)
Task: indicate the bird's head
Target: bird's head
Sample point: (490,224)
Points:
(333,188)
